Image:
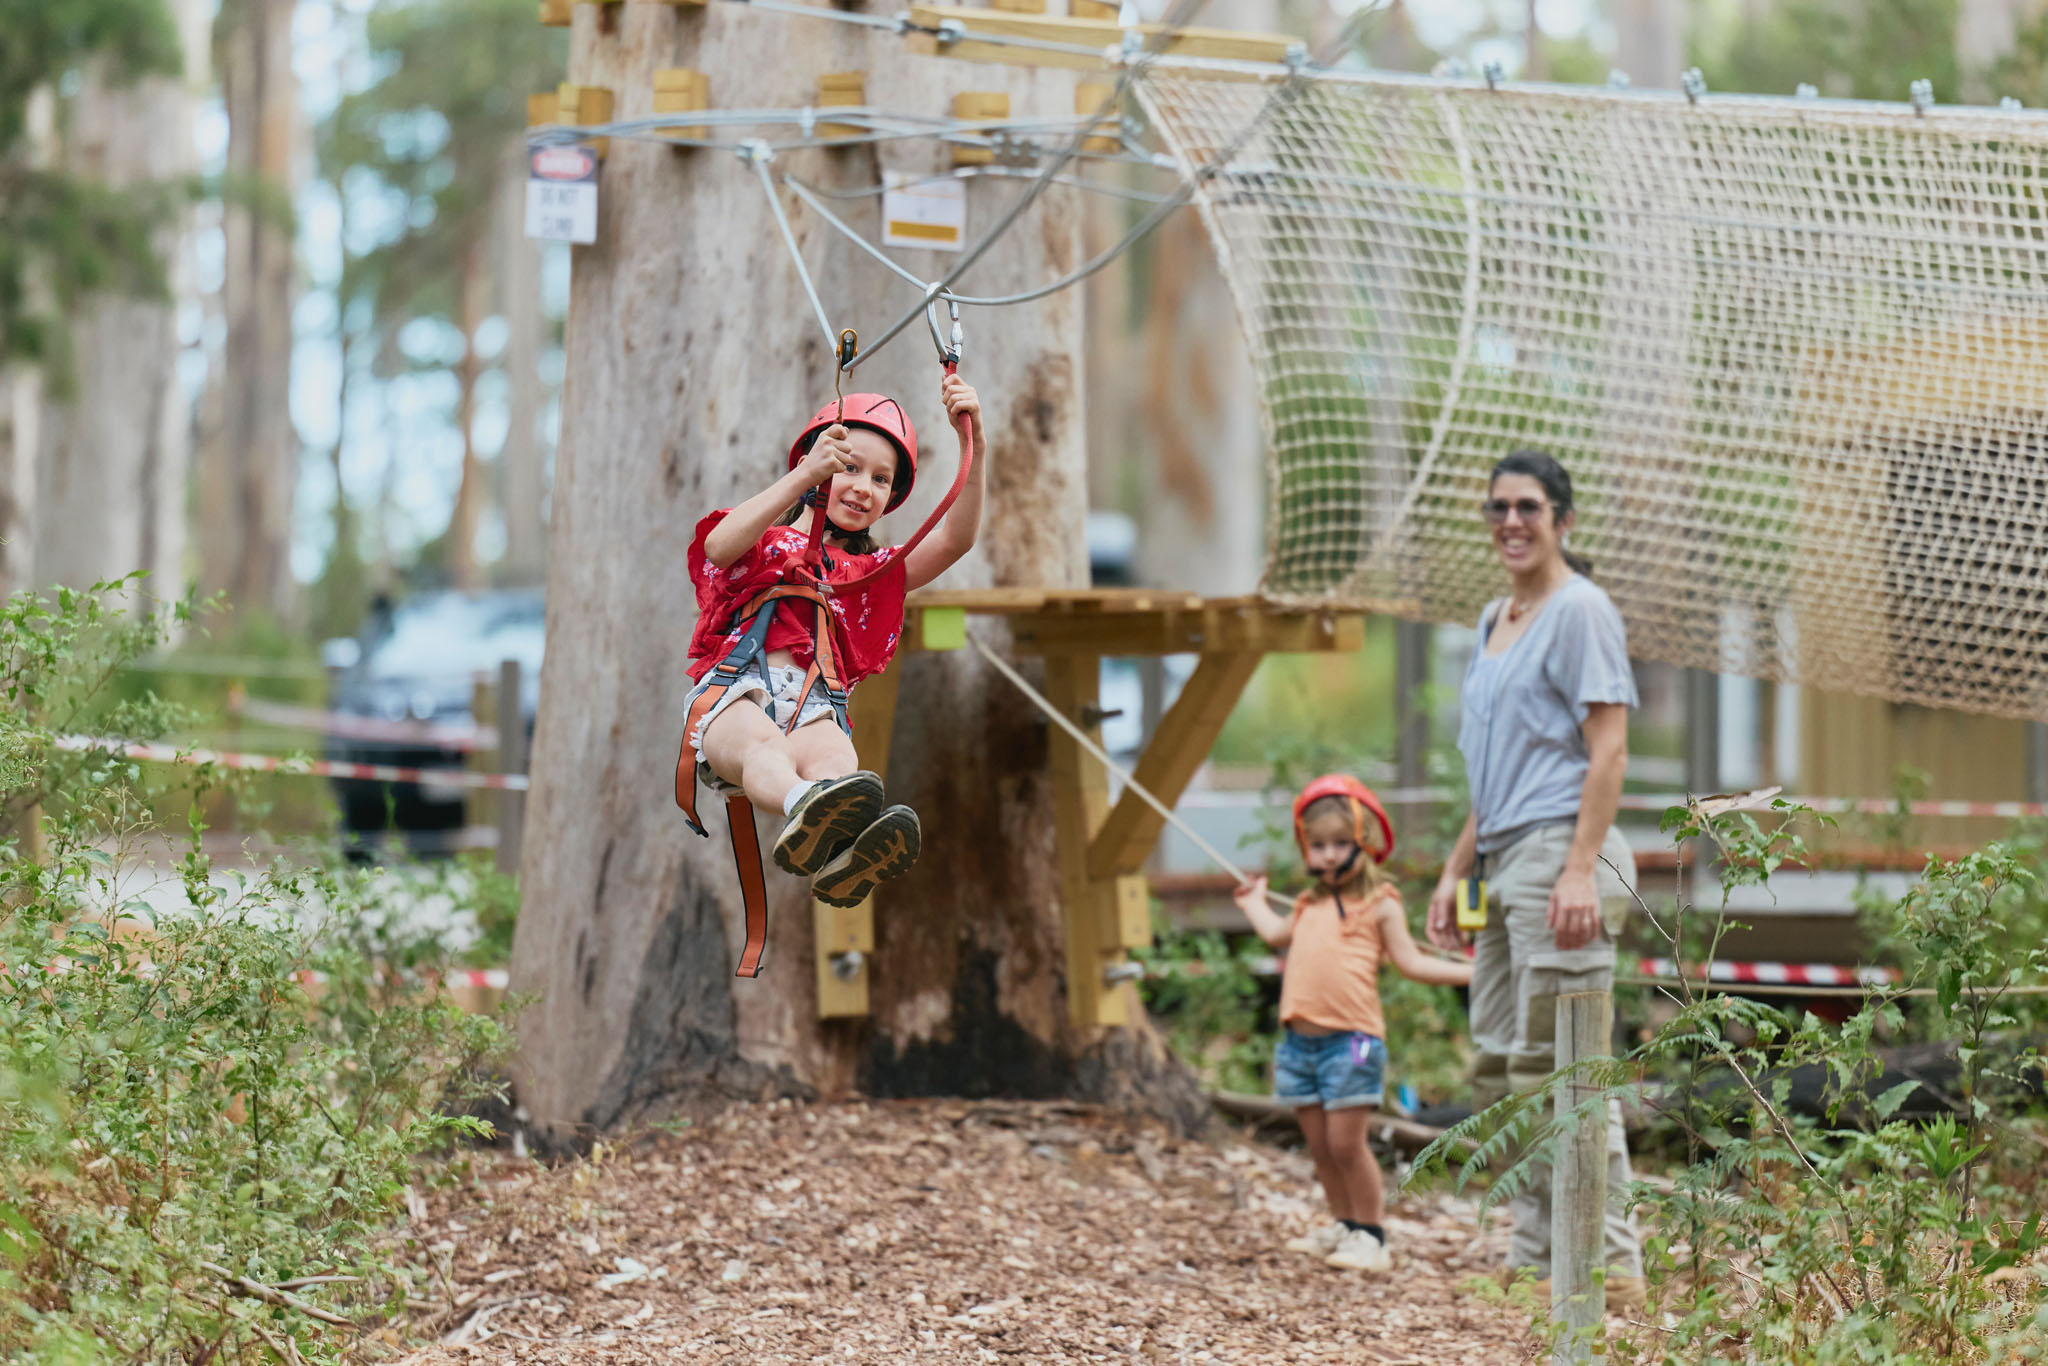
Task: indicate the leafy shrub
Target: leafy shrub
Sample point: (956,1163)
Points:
(209,1103)
(1833,1209)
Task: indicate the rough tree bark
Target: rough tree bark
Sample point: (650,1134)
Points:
(692,358)
(522,487)
(250,454)
(116,451)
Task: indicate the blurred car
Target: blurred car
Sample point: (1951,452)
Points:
(412,674)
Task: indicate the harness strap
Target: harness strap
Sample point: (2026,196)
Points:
(750,652)
(746,858)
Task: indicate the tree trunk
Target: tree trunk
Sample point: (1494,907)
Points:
(459,546)
(21,409)
(251,453)
(115,452)
(523,485)
(692,359)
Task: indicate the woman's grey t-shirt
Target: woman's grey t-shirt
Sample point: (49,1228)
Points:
(1525,756)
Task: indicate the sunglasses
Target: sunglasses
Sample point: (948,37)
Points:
(1496,510)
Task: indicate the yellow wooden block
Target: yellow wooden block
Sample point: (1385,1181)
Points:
(540,109)
(943,628)
(982,106)
(842,932)
(1094,9)
(681,90)
(1095,99)
(585,106)
(1133,929)
(841,88)
(557,13)
(1019,6)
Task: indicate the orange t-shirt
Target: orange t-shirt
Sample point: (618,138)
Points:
(1332,976)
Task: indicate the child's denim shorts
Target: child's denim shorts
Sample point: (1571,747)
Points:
(1335,1071)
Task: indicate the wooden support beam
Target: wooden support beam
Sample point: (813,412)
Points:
(1080,800)
(1211,630)
(557,13)
(1101,35)
(1094,9)
(1185,736)
(842,930)
(540,109)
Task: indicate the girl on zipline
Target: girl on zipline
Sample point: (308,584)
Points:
(796,604)
(1331,1064)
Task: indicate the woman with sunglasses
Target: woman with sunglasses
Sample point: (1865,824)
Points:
(1544,732)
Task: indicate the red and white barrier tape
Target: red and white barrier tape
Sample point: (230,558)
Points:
(489,979)
(1833,806)
(350,727)
(271,763)
(1721,970)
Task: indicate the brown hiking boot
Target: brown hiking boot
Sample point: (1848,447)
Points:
(826,820)
(884,850)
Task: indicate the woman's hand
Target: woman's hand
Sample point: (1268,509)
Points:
(829,455)
(959,397)
(1442,924)
(1574,909)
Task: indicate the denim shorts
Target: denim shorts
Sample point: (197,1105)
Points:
(1335,1071)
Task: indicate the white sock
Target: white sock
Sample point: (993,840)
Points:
(790,798)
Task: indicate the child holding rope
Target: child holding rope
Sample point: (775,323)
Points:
(796,604)
(1332,1060)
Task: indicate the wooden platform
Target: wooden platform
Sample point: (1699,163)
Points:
(1102,848)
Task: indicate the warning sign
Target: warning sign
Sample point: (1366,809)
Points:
(561,193)
(924,213)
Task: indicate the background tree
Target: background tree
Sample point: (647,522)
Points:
(429,143)
(63,238)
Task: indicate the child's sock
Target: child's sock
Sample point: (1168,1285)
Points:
(1351,1224)
(1375,1230)
(791,797)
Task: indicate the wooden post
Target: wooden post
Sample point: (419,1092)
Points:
(511,759)
(477,807)
(1411,716)
(1080,804)
(843,937)
(1578,1191)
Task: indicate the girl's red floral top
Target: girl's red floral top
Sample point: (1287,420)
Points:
(869,618)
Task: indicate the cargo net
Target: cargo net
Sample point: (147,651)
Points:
(1794,354)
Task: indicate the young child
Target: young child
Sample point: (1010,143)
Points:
(1332,1060)
(762,734)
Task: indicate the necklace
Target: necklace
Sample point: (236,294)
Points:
(1517,610)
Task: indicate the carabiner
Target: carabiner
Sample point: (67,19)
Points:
(949,352)
(849,344)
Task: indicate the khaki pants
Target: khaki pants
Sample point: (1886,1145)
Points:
(1517,976)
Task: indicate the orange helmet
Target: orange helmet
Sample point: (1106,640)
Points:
(1362,800)
(878,413)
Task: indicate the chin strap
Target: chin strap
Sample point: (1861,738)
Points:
(1336,877)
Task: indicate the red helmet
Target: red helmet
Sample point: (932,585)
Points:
(878,413)
(1362,801)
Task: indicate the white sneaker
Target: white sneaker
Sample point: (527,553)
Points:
(1360,1251)
(1321,1242)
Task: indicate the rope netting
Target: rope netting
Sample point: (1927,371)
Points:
(1794,353)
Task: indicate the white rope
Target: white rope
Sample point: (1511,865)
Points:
(1101,756)
(760,157)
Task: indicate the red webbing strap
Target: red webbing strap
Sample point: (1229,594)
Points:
(686,762)
(746,857)
(965,426)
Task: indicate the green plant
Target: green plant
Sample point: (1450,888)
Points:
(209,1107)
(1210,1002)
(1822,1216)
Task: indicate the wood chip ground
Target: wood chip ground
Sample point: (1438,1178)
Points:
(936,1232)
